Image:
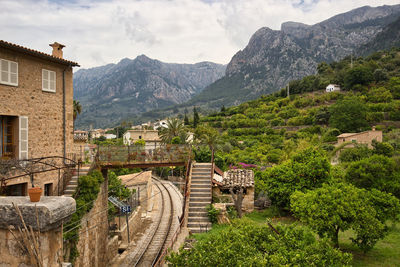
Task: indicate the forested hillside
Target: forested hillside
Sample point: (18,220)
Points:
(270,129)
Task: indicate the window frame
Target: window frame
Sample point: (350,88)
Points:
(9,73)
(48,89)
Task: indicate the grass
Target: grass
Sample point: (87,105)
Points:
(386,253)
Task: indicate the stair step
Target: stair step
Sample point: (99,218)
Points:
(199,204)
(198,214)
(198,219)
(196,194)
(203,225)
(197,209)
(199,199)
(202,182)
(201,190)
(200,186)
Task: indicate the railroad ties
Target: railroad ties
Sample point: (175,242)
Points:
(152,246)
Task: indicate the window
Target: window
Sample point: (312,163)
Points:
(8,72)
(6,137)
(17,189)
(48,189)
(48,81)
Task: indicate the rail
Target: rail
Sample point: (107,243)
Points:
(182,220)
(136,154)
(147,246)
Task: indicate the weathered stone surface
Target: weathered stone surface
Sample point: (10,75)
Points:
(52,211)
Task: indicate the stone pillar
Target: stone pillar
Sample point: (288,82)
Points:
(52,212)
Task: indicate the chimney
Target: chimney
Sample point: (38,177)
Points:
(57,49)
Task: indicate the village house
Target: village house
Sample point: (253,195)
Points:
(332,88)
(361,138)
(36,111)
(235,179)
(150,137)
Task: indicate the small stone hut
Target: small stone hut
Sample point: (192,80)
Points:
(235,178)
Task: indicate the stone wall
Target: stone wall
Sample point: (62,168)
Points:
(112,251)
(43,109)
(248,200)
(52,212)
(93,238)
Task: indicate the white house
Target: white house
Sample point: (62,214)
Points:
(110,136)
(332,88)
(159,124)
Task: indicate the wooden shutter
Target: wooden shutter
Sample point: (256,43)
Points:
(23,137)
(8,72)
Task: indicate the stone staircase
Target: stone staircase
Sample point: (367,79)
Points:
(200,197)
(73,183)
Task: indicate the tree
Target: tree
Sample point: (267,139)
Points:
(186,120)
(348,115)
(377,172)
(356,153)
(339,207)
(383,148)
(360,75)
(307,169)
(77,109)
(245,243)
(210,137)
(174,128)
(196,117)
(379,95)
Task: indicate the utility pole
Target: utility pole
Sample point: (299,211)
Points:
(288,93)
(351,60)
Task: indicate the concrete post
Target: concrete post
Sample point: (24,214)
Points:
(52,212)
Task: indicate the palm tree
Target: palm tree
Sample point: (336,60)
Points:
(77,109)
(210,137)
(174,128)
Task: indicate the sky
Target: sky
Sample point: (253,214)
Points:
(99,32)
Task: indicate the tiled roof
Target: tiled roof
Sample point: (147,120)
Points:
(238,177)
(32,52)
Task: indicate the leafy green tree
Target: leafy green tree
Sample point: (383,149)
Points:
(377,172)
(339,207)
(359,75)
(210,137)
(394,87)
(356,153)
(379,95)
(305,170)
(245,243)
(348,115)
(196,117)
(383,148)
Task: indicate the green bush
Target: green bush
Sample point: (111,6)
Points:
(245,243)
(212,213)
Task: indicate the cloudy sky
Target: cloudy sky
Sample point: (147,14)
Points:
(183,31)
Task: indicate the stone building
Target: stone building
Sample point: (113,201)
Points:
(235,179)
(36,111)
(361,138)
(149,136)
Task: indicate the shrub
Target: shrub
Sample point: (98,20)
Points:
(245,243)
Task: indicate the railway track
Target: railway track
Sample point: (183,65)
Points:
(154,243)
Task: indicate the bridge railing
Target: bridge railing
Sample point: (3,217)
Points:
(133,154)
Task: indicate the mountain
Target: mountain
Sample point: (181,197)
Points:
(386,39)
(274,57)
(111,93)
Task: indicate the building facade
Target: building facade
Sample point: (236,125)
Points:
(36,110)
(365,138)
(149,136)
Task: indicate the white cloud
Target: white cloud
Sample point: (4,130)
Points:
(186,31)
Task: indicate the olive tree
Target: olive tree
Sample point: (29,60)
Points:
(339,207)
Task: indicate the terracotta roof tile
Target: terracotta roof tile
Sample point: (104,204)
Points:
(238,177)
(29,51)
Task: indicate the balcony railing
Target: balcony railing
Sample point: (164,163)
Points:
(138,154)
